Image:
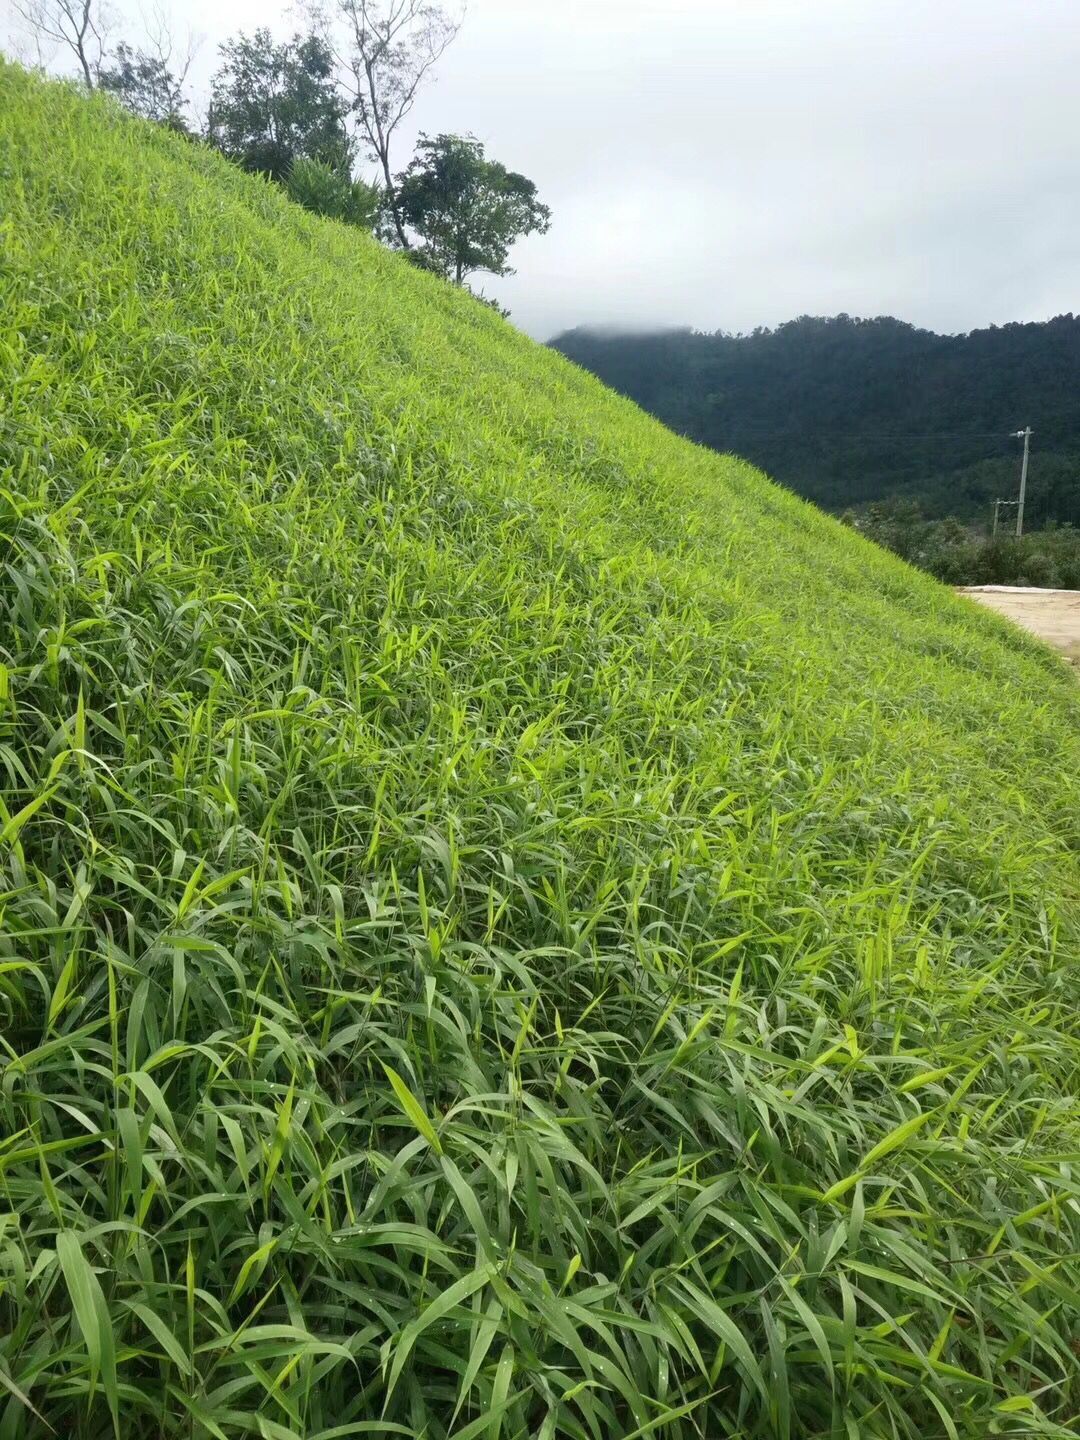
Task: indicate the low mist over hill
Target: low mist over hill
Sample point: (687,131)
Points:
(846,411)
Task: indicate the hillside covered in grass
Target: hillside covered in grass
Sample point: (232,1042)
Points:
(511,924)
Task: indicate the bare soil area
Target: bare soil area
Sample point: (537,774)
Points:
(1053,615)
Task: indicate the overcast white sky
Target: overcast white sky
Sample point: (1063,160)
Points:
(732,163)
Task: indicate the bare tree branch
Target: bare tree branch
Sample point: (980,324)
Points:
(78,25)
(27,48)
(393,45)
(161,44)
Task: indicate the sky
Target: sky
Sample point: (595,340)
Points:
(733,163)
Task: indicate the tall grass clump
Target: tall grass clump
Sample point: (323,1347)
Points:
(512,926)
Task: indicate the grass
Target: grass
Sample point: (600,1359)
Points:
(513,926)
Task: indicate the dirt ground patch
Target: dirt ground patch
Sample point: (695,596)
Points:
(1053,615)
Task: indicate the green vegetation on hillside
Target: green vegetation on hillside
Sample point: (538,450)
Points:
(848,411)
(962,555)
(512,924)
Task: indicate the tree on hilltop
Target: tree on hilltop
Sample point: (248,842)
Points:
(466,210)
(76,25)
(391,48)
(145,84)
(275,103)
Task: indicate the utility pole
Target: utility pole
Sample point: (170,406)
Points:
(1024,434)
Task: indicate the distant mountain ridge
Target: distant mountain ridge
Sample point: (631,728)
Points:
(847,411)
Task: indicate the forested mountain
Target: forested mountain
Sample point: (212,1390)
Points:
(846,411)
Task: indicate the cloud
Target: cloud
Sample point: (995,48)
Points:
(729,163)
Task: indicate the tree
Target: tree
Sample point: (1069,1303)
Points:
(466,209)
(325,191)
(275,103)
(394,44)
(77,25)
(145,85)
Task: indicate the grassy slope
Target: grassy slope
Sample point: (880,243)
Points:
(388,705)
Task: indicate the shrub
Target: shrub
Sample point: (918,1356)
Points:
(320,188)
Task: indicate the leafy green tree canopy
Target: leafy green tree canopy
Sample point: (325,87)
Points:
(466,209)
(145,85)
(273,104)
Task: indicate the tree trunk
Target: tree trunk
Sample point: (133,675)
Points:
(391,195)
(80,51)
(80,45)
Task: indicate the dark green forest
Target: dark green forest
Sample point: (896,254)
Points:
(848,412)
